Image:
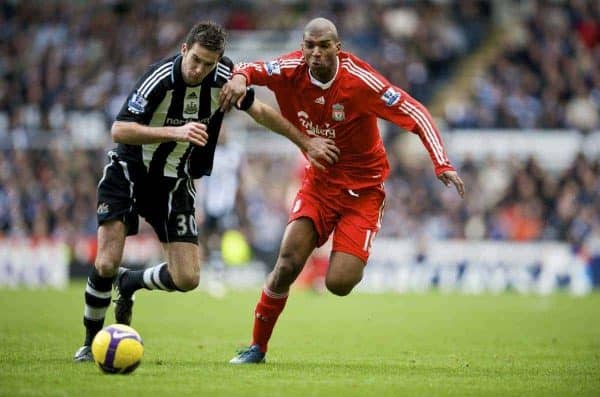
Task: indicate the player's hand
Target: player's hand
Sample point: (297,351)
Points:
(193,132)
(233,92)
(451,177)
(322,150)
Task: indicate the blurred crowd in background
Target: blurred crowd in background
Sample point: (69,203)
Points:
(546,74)
(59,56)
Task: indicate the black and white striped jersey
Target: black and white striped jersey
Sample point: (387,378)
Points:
(162,98)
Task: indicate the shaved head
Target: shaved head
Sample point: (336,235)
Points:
(321,27)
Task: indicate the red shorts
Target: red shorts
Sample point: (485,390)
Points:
(354,216)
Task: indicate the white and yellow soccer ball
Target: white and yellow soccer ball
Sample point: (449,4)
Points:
(117,349)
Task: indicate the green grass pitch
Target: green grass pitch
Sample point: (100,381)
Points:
(361,345)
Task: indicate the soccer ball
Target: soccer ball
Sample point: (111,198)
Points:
(117,349)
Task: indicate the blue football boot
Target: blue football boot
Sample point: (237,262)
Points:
(251,355)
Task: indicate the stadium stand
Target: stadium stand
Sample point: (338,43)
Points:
(546,73)
(66,68)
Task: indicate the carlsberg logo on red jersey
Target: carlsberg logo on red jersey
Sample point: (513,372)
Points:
(314,129)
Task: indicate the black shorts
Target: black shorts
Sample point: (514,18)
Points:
(126,191)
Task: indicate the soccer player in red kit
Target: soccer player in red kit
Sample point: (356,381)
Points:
(331,93)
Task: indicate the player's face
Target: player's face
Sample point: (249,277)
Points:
(197,63)
(320,53)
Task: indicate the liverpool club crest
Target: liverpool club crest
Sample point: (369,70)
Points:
(338,112)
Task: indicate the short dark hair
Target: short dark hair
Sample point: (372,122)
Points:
(209,35)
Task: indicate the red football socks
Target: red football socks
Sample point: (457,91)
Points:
(267,310)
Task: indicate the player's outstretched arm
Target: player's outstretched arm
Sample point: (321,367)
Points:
(451,177)
(132,133)
(319,150)
(410,114)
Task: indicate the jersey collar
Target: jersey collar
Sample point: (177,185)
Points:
(325,86)
(176,77)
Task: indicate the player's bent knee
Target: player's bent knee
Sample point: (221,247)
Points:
(287,269)
(106,268)
(289,258)
(189,286)
(339,289)
(187,282)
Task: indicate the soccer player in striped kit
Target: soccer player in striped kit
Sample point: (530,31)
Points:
(167,131)
(327,92)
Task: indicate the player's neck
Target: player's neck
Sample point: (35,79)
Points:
(324,80)
(323,77)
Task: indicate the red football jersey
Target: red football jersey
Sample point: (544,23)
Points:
(346,110)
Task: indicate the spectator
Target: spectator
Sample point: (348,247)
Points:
(50,53)
(548,77)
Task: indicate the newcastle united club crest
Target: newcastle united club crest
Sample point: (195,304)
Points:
(191,103)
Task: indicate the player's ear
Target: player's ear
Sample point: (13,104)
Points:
(184,48)
(338,45)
